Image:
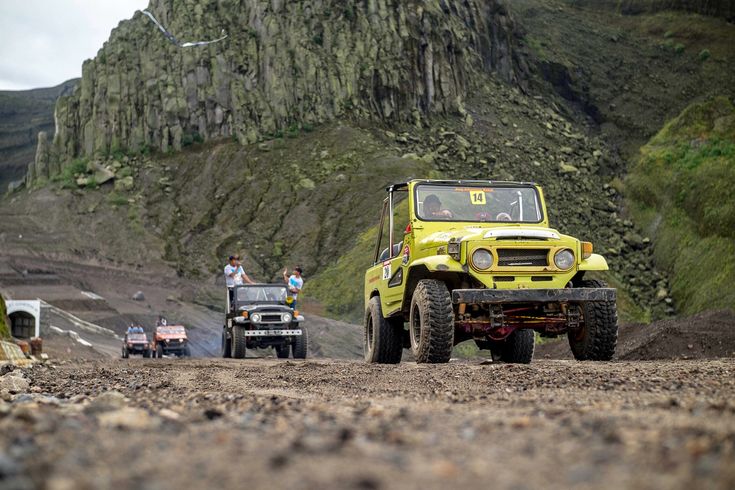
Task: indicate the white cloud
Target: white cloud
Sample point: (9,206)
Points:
(44,42)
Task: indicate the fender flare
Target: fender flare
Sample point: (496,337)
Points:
(595,262)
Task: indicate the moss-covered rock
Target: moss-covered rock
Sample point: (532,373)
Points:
(681,191)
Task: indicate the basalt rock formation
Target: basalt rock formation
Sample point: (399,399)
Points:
(283,64)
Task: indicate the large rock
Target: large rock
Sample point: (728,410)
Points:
(14,384)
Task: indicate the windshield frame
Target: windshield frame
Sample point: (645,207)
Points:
(498,185)
(251,302)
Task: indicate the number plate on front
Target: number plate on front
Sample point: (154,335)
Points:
(271,333)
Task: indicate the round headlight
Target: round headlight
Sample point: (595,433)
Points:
(482,259)
(564,259)
(287,317)
(255,317)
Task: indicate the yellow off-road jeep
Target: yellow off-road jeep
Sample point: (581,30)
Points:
(460,260)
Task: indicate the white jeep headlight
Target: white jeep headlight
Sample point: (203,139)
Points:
(482,259)
(287,317)
(564,259)
(255,317)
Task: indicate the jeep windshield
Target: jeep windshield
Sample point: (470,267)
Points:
(261,294)
(171,330)
(478,203)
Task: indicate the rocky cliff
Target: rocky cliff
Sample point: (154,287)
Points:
(283,65)
(23,114)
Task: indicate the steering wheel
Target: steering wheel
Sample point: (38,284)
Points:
(503,217)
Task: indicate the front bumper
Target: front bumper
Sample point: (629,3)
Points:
(503,296)
(273,333)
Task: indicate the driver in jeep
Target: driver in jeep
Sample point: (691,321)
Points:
(433,208)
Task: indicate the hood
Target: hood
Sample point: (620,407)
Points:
(483,232)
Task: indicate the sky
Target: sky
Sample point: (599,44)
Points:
(44,42)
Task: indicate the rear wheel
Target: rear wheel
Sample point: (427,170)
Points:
(517,348)
(282,351)
(597,335)
(300,344)
(431,326)
(226,345)
(238,342)
(382,342)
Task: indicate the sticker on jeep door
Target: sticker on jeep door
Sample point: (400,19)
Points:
(386,271)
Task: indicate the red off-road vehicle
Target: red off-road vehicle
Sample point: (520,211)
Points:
(170,339)
(135,344)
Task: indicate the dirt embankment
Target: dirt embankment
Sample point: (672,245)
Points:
(332,424)
(707,335)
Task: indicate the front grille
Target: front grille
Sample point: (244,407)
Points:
(523,257)
(271,318)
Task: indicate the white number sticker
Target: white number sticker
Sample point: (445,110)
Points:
(386,271)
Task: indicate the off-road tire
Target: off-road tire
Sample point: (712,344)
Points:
(187,351)
(382,337)
(147,353)
(159,351)
(431,322)
(125,353)
(597,336)
(517,348)
(283,351)
(226,345)
(238,342)
(493,347)
(300,344)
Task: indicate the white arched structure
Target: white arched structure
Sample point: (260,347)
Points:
(30,307)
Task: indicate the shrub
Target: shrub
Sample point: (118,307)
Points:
(117,200)
(679,48)
(67,176)
(704,55)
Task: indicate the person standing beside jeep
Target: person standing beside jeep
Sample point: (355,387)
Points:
(235,275)
(294,283)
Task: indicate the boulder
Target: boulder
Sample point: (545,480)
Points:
(139,296)
(14,384)
(124,184)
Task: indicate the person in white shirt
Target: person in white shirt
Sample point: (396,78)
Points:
(235,275)
(294,283)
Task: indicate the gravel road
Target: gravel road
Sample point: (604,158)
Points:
(260,423)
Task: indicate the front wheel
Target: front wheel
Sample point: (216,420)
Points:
(382,342)
(282,351)
(159,351)
(596,337)
(226,345)
(238,342)
(431,323)
(300,344)
(147,353)
(125,353)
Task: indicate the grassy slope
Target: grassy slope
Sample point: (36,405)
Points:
(4,328)
(681,191)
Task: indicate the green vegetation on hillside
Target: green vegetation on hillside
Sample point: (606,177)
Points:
(4,327)
(681,191)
